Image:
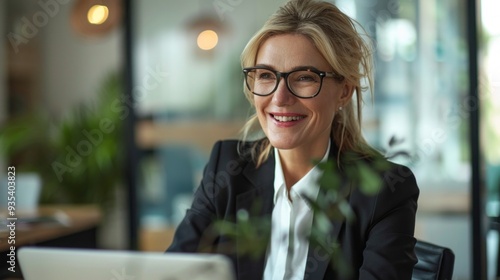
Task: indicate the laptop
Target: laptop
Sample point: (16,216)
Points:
(62,264)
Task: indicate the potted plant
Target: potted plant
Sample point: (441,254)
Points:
(79,158)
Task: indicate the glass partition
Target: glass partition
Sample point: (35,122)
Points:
(490,130)
(189,97)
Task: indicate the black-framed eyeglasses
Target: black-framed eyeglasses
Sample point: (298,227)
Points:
(303,83)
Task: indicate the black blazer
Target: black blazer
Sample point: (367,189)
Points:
(379,244)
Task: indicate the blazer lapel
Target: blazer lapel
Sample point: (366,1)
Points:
(261,194)
(318,258)
(262,180)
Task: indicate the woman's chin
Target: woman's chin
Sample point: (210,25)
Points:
(283,144)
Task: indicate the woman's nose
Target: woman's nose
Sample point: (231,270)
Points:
(282,96)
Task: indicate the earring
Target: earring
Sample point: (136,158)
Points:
(340,108)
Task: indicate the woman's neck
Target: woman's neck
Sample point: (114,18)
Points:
(296,163)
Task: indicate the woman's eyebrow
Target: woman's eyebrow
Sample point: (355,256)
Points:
(301,67)
(264,66)
(304,67)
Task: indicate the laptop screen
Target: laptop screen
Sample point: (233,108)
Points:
(62,264)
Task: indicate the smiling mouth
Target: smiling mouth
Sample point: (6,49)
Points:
(287,118)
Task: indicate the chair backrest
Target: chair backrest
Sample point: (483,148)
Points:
(434,262)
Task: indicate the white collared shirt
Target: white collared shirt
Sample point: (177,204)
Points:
(291,224)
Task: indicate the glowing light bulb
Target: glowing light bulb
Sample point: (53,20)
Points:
(207,40)
(98,14)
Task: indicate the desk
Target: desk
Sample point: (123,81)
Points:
(78,231)
(80,218)
(155,239)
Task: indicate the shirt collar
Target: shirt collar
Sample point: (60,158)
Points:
(306,186)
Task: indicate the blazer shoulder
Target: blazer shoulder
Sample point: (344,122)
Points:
(394,176)
(226,149)
(234,149)
(399,177)
(233,154)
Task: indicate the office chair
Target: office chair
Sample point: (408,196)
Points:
(434,262)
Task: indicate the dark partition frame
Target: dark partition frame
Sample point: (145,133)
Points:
(479,261)
(132,151)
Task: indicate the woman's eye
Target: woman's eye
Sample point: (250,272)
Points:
(266,76)
(306,78)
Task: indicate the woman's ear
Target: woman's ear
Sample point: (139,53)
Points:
(346,94)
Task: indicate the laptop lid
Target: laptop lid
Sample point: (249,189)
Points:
(63,264)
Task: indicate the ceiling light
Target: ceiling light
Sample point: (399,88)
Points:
(95,17)
(207,40)
(97,14)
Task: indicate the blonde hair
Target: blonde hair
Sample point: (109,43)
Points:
(335,36)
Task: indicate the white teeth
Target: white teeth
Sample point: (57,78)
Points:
(287,119)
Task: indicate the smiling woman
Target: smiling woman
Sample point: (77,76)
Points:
(299,127)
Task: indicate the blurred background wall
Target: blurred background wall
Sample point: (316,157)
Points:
(59,66)
(74,65)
